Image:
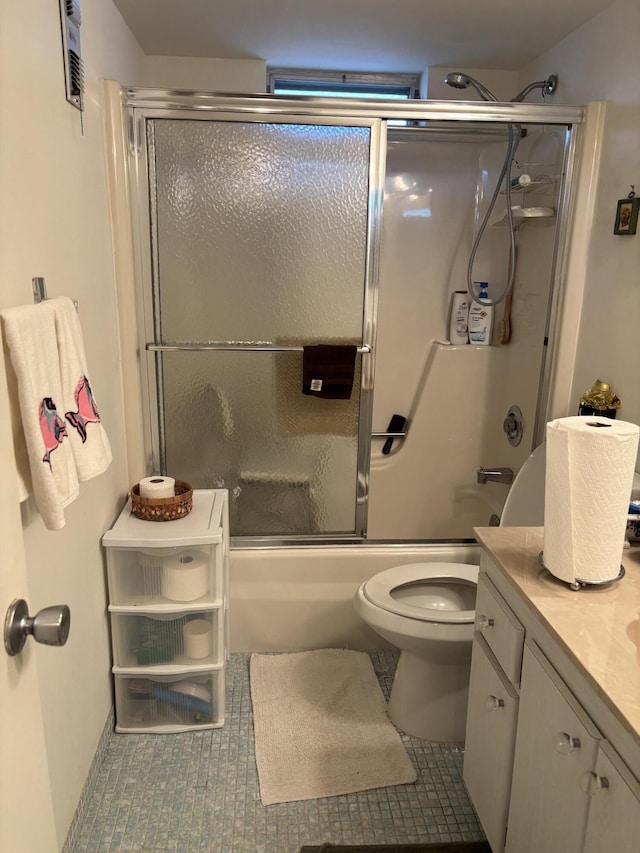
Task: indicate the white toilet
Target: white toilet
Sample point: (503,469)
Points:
(427,610)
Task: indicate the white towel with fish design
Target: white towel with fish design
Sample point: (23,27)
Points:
(30,334)
(87,436)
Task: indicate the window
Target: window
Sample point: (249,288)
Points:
(334,84)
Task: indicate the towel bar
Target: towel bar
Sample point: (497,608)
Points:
(39,290)
(230,346)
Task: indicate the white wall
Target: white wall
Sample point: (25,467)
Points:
(601,61)
(53,223)
(206,75)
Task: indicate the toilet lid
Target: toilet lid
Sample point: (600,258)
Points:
(378,589)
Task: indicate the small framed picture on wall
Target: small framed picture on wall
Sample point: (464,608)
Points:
(627,216)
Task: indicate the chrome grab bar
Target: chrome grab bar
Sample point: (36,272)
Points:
(231,346)
(396,428)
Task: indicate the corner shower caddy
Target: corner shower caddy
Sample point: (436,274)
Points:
(542,183)
(168,603)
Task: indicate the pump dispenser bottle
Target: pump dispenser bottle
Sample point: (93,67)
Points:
(480,317)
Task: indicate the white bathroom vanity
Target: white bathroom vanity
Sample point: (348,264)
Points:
(552,754)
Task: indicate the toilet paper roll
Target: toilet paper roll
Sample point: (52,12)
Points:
(157,487)
(588,482)
(197,639)
(185,576)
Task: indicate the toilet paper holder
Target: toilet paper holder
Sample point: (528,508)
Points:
(578,583)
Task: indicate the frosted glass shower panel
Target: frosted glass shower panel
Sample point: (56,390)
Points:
(239,421)
(260,231)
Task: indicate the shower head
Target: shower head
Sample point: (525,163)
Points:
(547,87)
(458,80)
(461,81)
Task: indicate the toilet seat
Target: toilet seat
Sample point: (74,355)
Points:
(378,590)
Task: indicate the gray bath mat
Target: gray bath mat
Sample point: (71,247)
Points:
(448,847)
(321,727)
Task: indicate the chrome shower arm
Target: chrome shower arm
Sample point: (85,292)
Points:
(547,87)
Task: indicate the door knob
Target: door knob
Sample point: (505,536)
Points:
(49,626)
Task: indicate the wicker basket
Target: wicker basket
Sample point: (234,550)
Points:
(163,509)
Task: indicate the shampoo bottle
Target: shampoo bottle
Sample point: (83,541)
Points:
(480,317)
(459,323)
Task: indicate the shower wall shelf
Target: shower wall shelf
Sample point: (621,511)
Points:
(535,184)
(521,214)
(168,604)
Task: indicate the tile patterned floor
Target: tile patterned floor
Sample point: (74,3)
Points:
(198,791)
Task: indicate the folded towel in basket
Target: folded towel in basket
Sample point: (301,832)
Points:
(87,437)
(30,334)
(327,371)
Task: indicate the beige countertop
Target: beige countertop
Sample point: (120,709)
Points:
(598,627)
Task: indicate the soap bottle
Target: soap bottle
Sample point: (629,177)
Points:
(480,317)
(459,323)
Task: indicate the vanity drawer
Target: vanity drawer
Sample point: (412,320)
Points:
(496,622)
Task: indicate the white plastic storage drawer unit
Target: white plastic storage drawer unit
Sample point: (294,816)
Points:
(147,638)
(168,601)
(169,703)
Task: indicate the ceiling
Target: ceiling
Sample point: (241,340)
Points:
(358,35)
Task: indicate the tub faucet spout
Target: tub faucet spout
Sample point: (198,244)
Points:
(498,475)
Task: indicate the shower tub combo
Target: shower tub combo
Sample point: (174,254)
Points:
(263,225)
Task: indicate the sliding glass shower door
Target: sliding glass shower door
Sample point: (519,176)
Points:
(262,241)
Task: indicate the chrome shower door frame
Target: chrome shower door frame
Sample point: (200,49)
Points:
(150,350)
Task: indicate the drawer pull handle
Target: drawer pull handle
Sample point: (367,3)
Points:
(492,703)
(592,784)
(484,622)
(564,743)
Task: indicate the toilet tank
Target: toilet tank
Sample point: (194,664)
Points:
(524,506)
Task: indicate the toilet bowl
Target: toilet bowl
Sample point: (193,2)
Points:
(427,610)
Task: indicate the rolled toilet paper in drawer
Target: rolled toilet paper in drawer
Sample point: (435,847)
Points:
(588,482)
(185,576)
(157,487)
(197,639)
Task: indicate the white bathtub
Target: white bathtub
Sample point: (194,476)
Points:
(293,599)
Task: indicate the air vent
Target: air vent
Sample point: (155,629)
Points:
(76,75)
(72,10)
(70,19)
